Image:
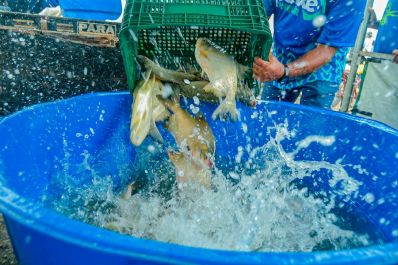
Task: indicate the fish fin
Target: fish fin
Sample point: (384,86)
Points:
(227,106)
(154,132)
(209,88)
(147,75)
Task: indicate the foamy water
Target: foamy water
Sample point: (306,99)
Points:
(259,205)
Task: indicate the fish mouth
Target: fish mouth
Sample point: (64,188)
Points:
(203,43)
(140,59)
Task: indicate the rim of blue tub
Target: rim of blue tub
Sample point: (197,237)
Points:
(46,221)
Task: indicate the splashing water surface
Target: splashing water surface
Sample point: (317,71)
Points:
(259,205)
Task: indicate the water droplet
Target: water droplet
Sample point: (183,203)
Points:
(151,148)
(244,128)
(319,21)
(234,175)
(196,100)
(369,197)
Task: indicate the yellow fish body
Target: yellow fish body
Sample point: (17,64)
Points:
(191,133)
(146,110)
(222,71)
(190,171)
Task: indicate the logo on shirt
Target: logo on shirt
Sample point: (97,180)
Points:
(309,8)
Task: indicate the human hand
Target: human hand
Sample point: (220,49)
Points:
(268,71)
(395,52)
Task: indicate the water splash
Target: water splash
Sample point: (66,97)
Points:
(254,205)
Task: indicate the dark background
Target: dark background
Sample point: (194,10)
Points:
(37,68)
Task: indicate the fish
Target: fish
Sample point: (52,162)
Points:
(166,75)
(146,111)
(189,171)
(222,72)
(191,83)
(192,134)
(244,93)
(129,190)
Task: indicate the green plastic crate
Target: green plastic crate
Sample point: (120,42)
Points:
(167,30)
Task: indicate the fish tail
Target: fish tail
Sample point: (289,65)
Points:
(226,107)
(134,135)
(154,132)
(137,135)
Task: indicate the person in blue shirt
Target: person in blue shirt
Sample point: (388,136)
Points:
(311,41)
(387,36)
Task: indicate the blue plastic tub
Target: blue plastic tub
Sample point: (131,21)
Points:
(33,142)
(91,9)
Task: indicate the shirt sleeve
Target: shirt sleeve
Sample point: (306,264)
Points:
(342,23)
(269,6)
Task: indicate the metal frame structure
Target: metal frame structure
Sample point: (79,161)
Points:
(358,55)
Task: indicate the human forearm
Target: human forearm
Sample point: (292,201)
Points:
(308,63)
(311,61)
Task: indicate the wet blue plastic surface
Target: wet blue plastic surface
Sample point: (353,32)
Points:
(32,149)
(91,9)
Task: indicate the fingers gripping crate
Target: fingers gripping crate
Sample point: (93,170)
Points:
(166,31)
